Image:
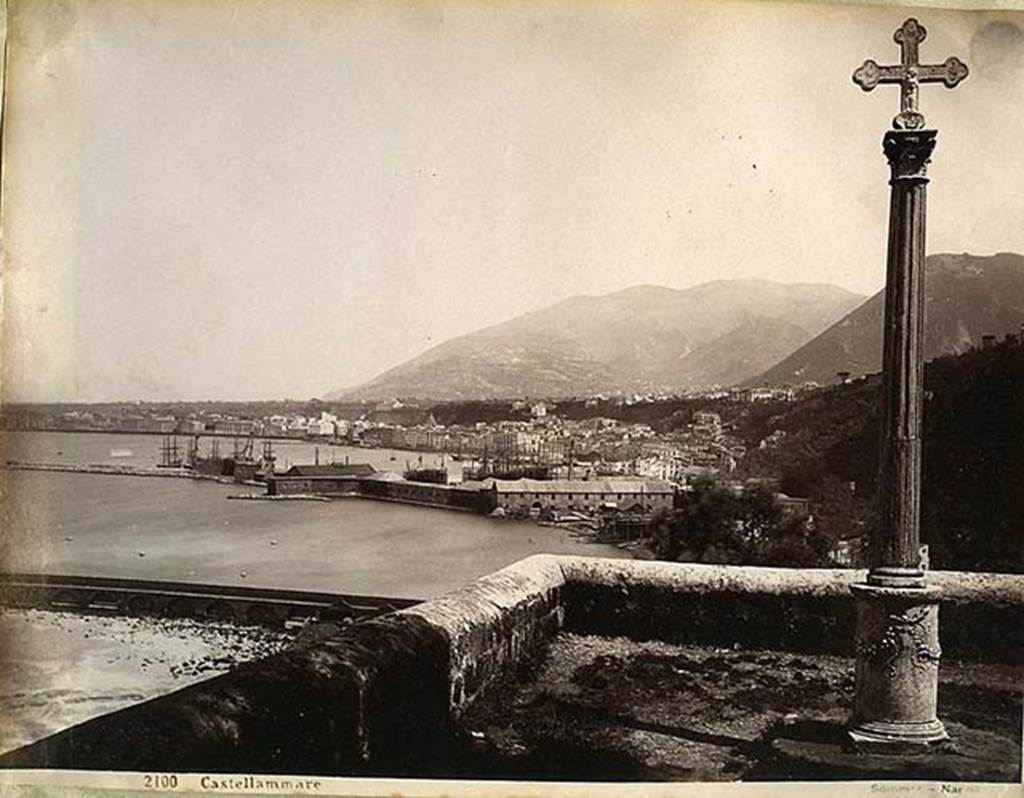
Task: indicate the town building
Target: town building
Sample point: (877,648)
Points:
(707,425)
(323,427)
(793,505)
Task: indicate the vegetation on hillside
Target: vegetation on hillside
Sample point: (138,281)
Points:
(972,504)
(714,525)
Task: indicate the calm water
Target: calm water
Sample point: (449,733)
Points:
(186,530)
(58,669)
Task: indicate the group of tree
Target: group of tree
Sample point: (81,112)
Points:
(713,524)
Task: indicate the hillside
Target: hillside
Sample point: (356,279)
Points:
(966,297)
(730,358)
(646,338)
(972,460)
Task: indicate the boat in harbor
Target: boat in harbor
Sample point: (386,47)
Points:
(169,455)
(242,465)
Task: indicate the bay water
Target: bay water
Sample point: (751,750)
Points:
(57,669)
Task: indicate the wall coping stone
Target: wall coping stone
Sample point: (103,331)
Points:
(491,595)
(954,586)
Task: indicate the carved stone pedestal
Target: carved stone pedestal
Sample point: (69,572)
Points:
(897,682)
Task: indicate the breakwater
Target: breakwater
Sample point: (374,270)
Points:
(297,497)
(116,470)
(146,597)
(128,471)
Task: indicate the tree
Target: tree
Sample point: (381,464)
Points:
(713,525)
(797,542)
(705,519)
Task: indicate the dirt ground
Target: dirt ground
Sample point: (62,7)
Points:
(612,709)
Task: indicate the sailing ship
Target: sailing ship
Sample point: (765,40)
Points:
(169,454)
(242,465)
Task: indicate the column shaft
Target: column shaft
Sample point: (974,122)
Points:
(896,545)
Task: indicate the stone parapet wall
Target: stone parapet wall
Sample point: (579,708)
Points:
(496,622)
(808,610)
(384,696)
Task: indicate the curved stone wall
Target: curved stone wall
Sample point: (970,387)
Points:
(384,696)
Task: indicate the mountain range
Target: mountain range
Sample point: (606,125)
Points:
(640,339)
(723,333)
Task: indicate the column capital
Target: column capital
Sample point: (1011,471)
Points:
(909,152)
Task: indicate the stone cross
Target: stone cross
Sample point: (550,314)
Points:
(897,645)
(910,74)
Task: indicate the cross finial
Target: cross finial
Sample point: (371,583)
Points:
(909,74)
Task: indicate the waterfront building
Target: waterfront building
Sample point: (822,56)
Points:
(233,426)
(322,480)
(580,494)
(331,470)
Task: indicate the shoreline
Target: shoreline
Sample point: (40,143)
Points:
(117,662)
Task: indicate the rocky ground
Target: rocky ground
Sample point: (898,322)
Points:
(613,709)
(58,669)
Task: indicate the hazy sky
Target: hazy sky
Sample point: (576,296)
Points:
(273,198)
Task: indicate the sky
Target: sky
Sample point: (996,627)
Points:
(252,199)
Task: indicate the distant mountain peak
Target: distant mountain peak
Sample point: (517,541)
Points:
(640,338)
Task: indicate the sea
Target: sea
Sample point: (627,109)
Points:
(190,530)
